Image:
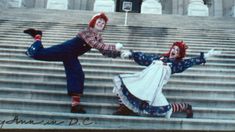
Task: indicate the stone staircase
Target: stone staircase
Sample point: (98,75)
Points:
(33,93)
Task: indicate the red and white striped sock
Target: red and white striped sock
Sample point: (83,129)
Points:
(75,100)
(38,37)
(179,107)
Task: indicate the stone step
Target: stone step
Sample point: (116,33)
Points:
(111,62)
(36,90)
(93,94)
(158,49)
(197,73)
(193,51)
(134,40)
(53,105)
(131,40)
(63,26)
(151,49)
(195,91)
(197,78)
(95,57)
(119,33)
(61,93)
(55,84)
(226,52)
(110,73)
(105,61)
(229,22)
(46,85)
(200,112)
(67,121)
(209,113)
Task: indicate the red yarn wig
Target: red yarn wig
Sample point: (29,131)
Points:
(97,16)
(182,46)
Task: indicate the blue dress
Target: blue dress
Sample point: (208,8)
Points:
(142,92)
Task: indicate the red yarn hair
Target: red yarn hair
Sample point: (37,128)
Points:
(182,46)
(97,16)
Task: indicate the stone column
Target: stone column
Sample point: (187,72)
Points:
(3,4)
(40,3)
(14,3)
(104,6)
(218,8)
(233,9)
(175,7)
(83,4)
(178,7)
(90,5)
(75,4)
(197,8)
(167,6)
(28,3)
(151,7)
(57,4)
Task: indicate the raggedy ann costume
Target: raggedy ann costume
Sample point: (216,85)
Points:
(68,52)
(141,92)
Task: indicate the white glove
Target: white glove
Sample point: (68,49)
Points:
(125,54)
(118,46)
(211,53)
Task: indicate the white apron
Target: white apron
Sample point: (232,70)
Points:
(146,85)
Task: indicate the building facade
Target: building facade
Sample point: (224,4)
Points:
(216,8)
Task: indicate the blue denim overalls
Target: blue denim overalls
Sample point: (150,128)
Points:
(68,53)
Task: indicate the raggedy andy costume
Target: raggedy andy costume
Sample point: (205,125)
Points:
(142,92)
(68,53)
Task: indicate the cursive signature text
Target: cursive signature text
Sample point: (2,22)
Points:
(16,120)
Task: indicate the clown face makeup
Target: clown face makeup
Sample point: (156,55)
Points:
(100,24)
(175,52)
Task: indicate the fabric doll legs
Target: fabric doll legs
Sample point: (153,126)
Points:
(183,107)
(75,83)
(180,107)
(58,52)
(63,52)
(75,76)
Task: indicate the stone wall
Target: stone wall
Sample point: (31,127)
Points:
(72,4)
(177,7)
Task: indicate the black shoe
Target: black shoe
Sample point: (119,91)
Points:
(189,112)
(123,110)
(27,53)
(32,32)
(202,57)
(77,109)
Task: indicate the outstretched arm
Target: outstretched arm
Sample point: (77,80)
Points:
(112,53)
(95,40)
(187,63)
(181,66)
(211,53)
(140,58)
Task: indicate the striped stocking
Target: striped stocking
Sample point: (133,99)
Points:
(179,107)
(75,100)
(38,37)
